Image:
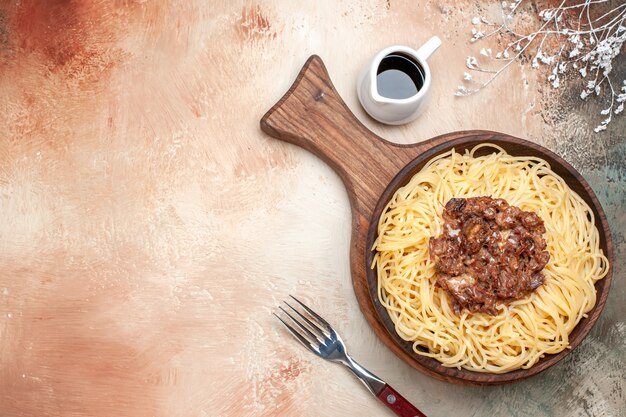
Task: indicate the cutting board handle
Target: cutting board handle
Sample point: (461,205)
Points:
(313,115)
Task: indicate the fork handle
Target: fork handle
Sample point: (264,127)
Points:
(397,403)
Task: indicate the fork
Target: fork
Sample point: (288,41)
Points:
(320,338)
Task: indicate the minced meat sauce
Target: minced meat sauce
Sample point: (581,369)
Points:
(490,252)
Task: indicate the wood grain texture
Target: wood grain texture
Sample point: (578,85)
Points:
(312,115)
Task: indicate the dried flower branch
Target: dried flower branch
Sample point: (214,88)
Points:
(587,35)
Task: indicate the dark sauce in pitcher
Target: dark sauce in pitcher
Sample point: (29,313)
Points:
(399,76)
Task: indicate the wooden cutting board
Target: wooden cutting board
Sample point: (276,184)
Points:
(313,115)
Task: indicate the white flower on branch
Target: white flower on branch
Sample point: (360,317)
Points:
(467,76)
(584,36)
(599,128)
(574,38)
(554,78)
(547,15)
(462,91)
(547,59)
(602,125)
(477,35)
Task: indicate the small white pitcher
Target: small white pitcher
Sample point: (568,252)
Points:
(396,111)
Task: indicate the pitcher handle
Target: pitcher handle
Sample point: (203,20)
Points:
(426,50)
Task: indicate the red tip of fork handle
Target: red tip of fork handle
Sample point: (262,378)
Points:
(397,403)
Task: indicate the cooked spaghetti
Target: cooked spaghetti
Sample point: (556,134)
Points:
(522,331)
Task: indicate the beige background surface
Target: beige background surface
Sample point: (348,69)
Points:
(149,227)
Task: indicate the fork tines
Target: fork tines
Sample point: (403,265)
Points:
(310,329)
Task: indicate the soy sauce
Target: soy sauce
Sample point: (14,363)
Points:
(399,77)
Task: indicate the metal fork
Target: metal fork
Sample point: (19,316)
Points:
(320,338)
